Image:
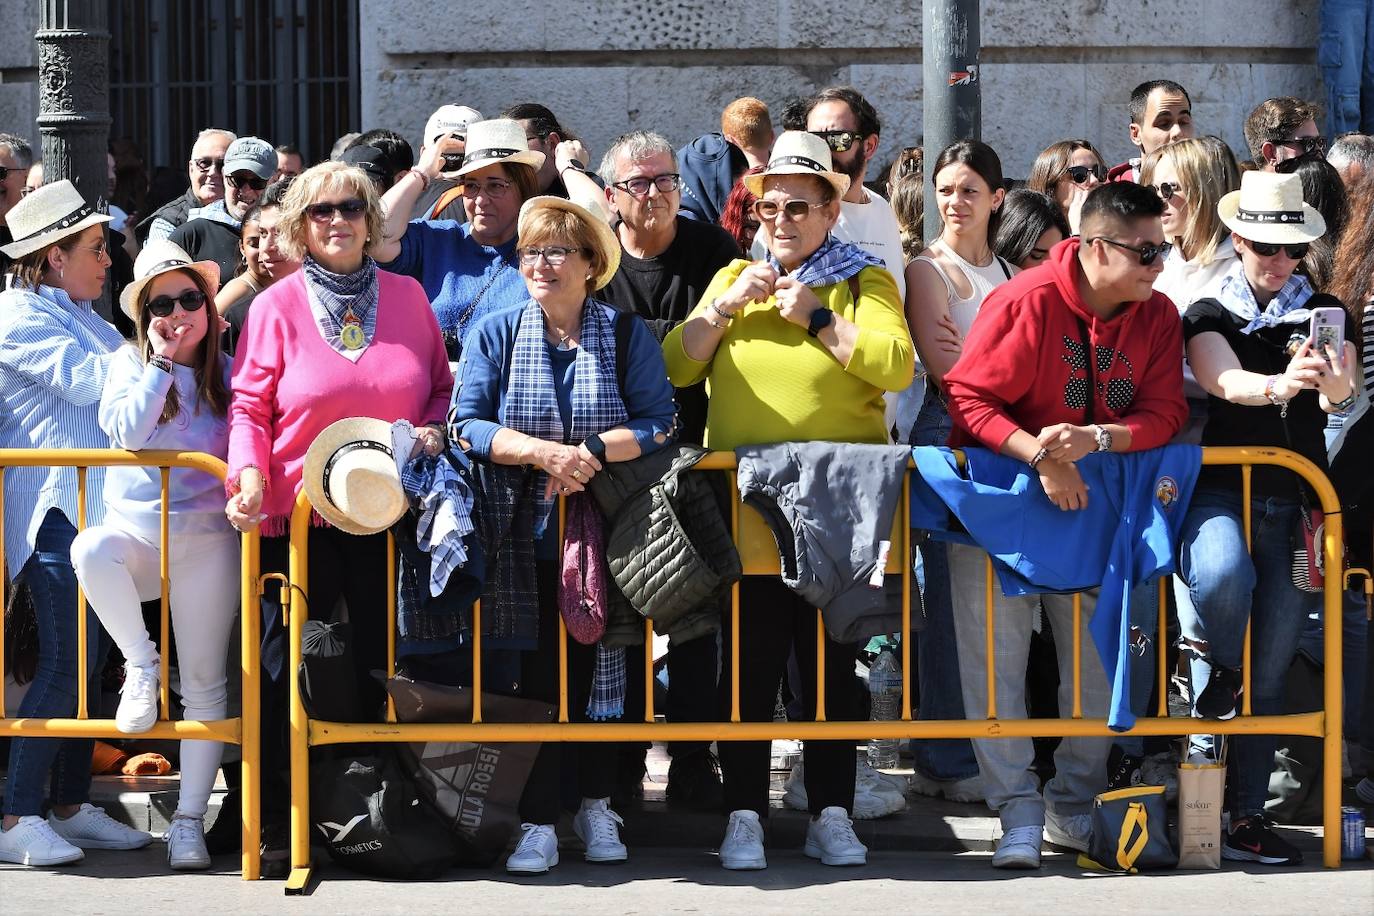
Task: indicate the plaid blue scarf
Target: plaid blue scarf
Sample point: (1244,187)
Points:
(532,402)
(331,296)
(1285,308)
(833,262)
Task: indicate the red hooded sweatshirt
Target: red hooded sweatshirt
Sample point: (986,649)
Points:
(1023,364)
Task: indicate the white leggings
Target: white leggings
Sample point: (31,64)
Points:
(118,570)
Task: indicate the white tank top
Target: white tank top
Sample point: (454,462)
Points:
(981,281)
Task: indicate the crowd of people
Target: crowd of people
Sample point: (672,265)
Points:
(528,322)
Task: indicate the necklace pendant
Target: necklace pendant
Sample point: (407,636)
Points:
(352,336)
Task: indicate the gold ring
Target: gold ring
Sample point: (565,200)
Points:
(576,474)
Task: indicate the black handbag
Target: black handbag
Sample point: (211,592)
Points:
(1130,832)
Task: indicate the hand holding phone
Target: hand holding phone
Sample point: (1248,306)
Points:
(1328,330)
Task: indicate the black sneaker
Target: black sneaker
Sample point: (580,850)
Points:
(1220,697)
(1252,839)
(694,782)
(276,851)
(1123,770)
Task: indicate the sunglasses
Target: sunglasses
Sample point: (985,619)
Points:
(5,171)
(1147,253)
(554,254)
(666,183)
(1079,173)
(208,165)
(1267,250)
(796,210)
(246,181)
(1312,146)
(838,140)
(1167,189)
(190,301)
(493,189)
(348,209)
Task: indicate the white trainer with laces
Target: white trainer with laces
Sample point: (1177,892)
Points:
(956,790)
(92,828)
(186,849)
(598,827)
(33,842)
(1019,848)
(1072,831)
(742,848)
(536,852)
(137,700)
(874,795)
(830,837)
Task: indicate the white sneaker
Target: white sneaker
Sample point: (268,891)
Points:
(137,700)
(742,848)
(873,796)
(1019,848)
(598,827)
(889,782)
(92,828)
(830,838)
(536,852)
(186,844)
(956,790)
(1069,830)
(33,842)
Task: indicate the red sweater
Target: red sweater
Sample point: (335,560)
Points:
(1023,364)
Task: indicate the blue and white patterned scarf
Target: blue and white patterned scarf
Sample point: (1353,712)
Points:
(1285,308)
(532,401)
(833,262)
(331,295)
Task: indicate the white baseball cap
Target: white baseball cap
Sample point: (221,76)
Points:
(449,119)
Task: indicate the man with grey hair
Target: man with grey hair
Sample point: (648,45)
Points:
(16,158)
(1352,155)
(206,171)
(666,263)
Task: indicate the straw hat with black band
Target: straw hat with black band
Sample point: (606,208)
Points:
(351,476)
(589,211)
(1269,208)
(495,141)
(797,152)
(47,216)
(160,257)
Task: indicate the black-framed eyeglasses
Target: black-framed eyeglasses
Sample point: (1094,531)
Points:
(246,180)
(666,183)
(324,212)
(1268,250)
(5,171)
(1147,252)
(492,188)
(796,209)
(838,140)
(554,254)
(1167,189)
(1079,173)
(193,300)
(1311,146)
(206,164)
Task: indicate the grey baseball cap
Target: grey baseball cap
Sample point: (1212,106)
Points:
(251,154)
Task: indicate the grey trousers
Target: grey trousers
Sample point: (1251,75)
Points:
(1005,763)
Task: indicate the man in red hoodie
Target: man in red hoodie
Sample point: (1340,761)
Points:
(1077,355)
(1161,112)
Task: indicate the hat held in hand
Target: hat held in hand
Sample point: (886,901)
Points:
(351,477)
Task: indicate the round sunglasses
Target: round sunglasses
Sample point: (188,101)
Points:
(1079,173)
(193,300)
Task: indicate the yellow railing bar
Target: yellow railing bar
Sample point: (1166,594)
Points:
(1161,671)
(820,666)
(2,567)
(164,592)
(734,597)
(295,605)
(988,636)
(648,670)
(477,660)
(391,616)
(1077,655)
(904,507)
(83,672)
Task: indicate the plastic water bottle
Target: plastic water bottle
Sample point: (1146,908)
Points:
(885,705)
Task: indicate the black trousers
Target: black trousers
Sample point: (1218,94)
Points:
(774,621)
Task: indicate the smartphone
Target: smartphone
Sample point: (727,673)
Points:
(1328,329)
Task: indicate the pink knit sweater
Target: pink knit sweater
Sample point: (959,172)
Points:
(289,384)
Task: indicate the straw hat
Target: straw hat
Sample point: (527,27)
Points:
(589,210)
(1269,208)
(47,215)
(497,140)
(351,476)
(797,152)
(158,258)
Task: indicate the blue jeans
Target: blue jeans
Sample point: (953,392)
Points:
(1345,52)
(52,695)
(937,653)
(1230,588)
(1353,659)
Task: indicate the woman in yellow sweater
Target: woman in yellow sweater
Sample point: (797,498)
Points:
(799,346)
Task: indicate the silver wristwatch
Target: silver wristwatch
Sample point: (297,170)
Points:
(1104,439)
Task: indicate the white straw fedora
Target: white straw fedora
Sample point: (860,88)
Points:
(589,210)
(47,215)
(351,476)
(158,258)
(1269,208)
(797,152)
(497,140)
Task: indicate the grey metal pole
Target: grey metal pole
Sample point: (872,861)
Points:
(74,95)
(952,106)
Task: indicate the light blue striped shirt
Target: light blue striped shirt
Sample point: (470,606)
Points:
(55,355)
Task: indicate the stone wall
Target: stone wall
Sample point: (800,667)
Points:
(19,70)
(1050,71)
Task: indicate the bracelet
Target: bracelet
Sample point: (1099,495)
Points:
(575,166)
(1039,457)
(161,362)
(1343,408)
(424,179)
(718,327)
(728,316)
(1273,398)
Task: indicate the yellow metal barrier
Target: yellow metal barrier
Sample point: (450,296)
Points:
(245,729)
(758,555)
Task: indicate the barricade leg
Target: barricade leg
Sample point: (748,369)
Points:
(250,723)
(296,606)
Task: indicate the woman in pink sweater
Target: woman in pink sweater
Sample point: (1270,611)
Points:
(338,339)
